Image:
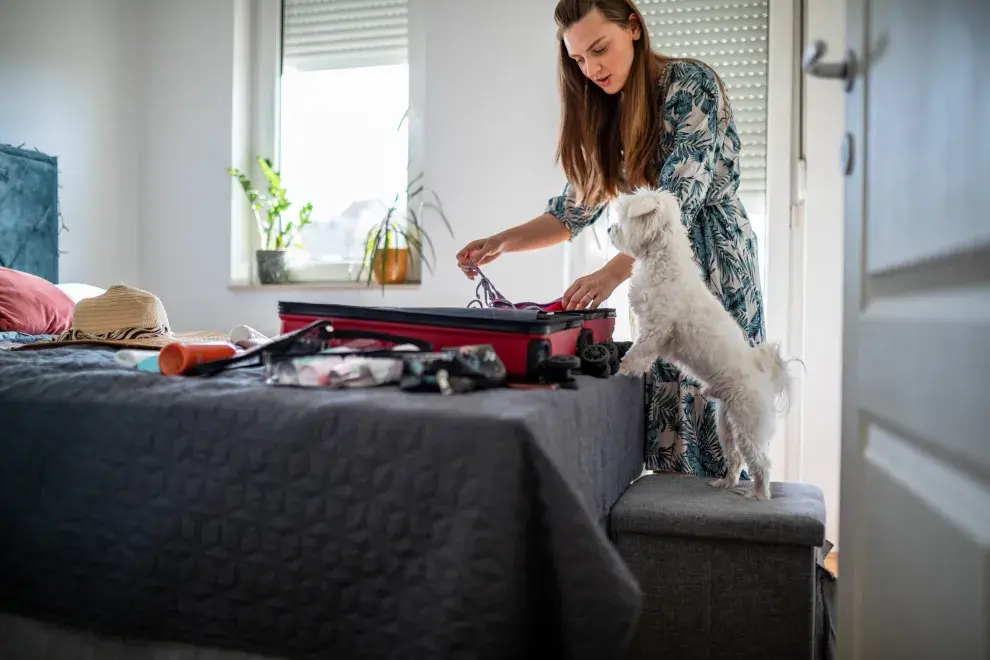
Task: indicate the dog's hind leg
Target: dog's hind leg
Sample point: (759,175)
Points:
(752,425)
(754,443)
(759,466)
(733,457)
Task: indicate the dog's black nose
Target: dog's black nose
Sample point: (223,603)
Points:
(610,229)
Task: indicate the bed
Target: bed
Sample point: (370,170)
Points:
(236,516)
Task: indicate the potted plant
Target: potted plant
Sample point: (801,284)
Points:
(270,210)
(400,235)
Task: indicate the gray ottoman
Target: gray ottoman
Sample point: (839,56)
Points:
(722,576)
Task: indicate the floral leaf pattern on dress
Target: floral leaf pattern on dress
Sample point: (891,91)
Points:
(698,161)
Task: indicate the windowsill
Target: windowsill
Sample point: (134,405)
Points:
(333,276)
(341,285)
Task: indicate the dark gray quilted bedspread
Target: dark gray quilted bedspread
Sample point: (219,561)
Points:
(310,523)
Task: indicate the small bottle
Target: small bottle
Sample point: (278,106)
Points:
(179,357)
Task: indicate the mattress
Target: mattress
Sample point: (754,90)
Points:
(144,513)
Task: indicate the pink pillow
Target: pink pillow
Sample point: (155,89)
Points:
(32,305)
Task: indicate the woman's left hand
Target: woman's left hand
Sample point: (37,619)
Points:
(592,290)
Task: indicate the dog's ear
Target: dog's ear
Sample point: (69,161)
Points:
(667,204)
(640,203)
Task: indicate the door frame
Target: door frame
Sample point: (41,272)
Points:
(853,296)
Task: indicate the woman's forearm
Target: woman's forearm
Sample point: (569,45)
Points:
(540,232)
(621,266)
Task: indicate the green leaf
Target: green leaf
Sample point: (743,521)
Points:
(429,242)
(374,240)
(416,246)
(273,177)
(304,214)
(415,180)
(438,208)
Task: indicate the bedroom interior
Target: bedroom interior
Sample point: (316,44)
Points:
(471,504)
(168,77)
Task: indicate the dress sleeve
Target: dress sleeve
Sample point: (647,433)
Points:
(691,119)
(574,216)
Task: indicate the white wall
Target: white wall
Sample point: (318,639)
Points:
(824,127)
(66,74)
(488,153)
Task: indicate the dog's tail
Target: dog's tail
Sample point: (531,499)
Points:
(773,363)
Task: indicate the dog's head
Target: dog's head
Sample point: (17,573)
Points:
(646,218)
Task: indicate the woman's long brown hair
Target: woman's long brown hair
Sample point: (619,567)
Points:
(607,144)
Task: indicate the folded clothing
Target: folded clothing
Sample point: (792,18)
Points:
(9,340)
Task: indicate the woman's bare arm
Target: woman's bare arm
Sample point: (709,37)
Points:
(540,232)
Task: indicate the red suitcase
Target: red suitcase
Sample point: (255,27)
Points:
(522,339)
(600,322)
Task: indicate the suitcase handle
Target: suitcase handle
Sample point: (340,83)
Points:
(380,336)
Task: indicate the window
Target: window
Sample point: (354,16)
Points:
(343,138)
(732,38)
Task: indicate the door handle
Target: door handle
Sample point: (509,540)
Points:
(844,70)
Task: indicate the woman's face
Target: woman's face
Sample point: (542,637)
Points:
(602,49)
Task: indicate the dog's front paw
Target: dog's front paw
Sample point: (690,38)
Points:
(725,482)
(634,367)
(636,362)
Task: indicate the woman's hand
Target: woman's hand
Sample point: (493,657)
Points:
(479,253)
(592,290)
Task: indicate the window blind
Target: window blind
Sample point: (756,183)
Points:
(732,38)
(343,34)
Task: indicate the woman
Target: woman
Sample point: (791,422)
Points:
(631,118)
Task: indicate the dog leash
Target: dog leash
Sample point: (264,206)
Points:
(487,295)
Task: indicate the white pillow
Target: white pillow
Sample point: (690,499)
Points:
(79,292)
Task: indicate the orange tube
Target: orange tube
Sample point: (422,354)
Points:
(179,358)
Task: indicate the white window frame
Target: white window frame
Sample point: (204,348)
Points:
(782,311)
(258,50)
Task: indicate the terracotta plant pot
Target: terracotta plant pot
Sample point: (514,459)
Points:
(390,266)
(271,267)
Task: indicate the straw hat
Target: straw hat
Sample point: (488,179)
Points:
(125,317)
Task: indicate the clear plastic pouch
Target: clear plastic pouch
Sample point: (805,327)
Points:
(334,370)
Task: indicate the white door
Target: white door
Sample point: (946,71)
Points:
(915,483)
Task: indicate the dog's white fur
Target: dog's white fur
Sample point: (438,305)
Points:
(681,321)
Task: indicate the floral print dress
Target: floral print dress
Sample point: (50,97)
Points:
(698,161)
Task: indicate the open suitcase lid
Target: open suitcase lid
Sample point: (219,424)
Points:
(487,320)
(521,314)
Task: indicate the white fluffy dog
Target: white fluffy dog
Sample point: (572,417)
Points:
(681,321)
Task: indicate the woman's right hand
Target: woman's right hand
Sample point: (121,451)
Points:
(479,253)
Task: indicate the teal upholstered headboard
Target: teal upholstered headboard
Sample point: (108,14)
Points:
(29,221)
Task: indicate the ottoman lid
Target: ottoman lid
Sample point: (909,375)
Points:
(684,505)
